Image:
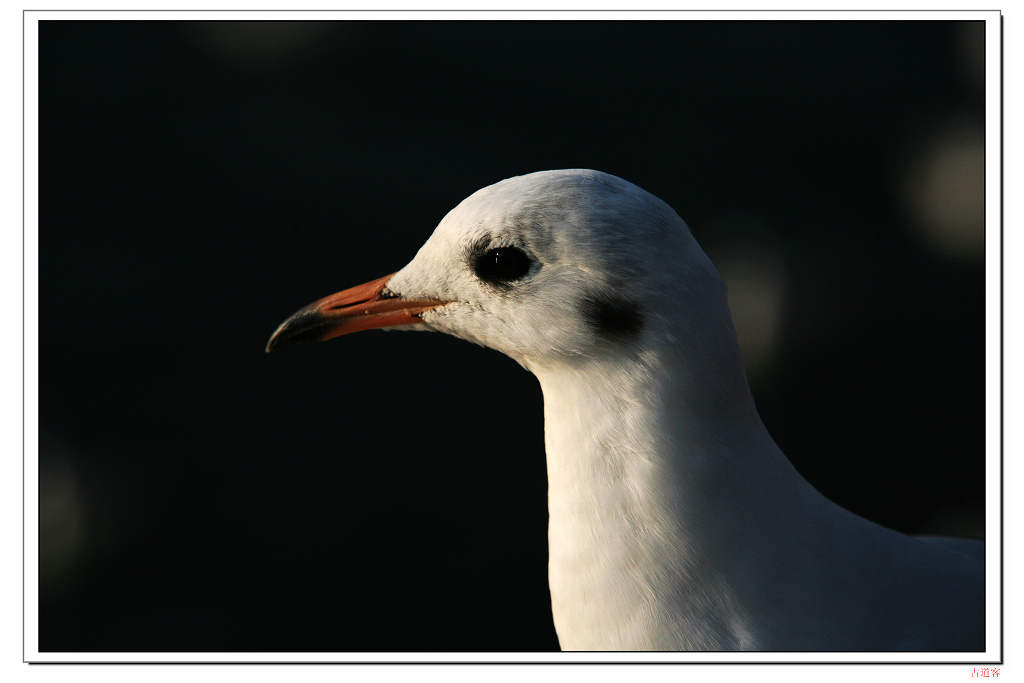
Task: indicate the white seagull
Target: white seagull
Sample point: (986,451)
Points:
(676,523)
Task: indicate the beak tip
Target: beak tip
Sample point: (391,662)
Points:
(286,334)
(306,325)
(277,340)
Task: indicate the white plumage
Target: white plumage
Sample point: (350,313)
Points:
(676,523)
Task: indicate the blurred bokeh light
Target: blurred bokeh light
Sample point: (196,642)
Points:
(61,516)
(944,188)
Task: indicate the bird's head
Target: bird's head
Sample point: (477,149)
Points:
(547,268)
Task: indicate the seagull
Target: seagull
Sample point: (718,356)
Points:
(675,521)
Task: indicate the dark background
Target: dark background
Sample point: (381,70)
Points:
(201,181)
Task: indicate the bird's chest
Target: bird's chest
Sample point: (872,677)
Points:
(625,585)
(623,569)
(603,597)
(620,573)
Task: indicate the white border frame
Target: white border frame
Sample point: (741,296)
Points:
(993,227)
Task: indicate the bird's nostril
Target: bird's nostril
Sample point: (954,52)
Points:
(347,305)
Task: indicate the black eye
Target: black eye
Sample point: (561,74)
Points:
(502,265)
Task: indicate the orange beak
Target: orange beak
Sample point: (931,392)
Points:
(352,310)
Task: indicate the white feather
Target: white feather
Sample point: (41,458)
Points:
(676,523)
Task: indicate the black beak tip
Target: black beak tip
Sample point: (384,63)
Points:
(305,326)
(277,340)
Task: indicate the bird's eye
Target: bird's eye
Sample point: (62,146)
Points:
(502,265)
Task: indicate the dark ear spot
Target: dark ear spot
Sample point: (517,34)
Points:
(612,317)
